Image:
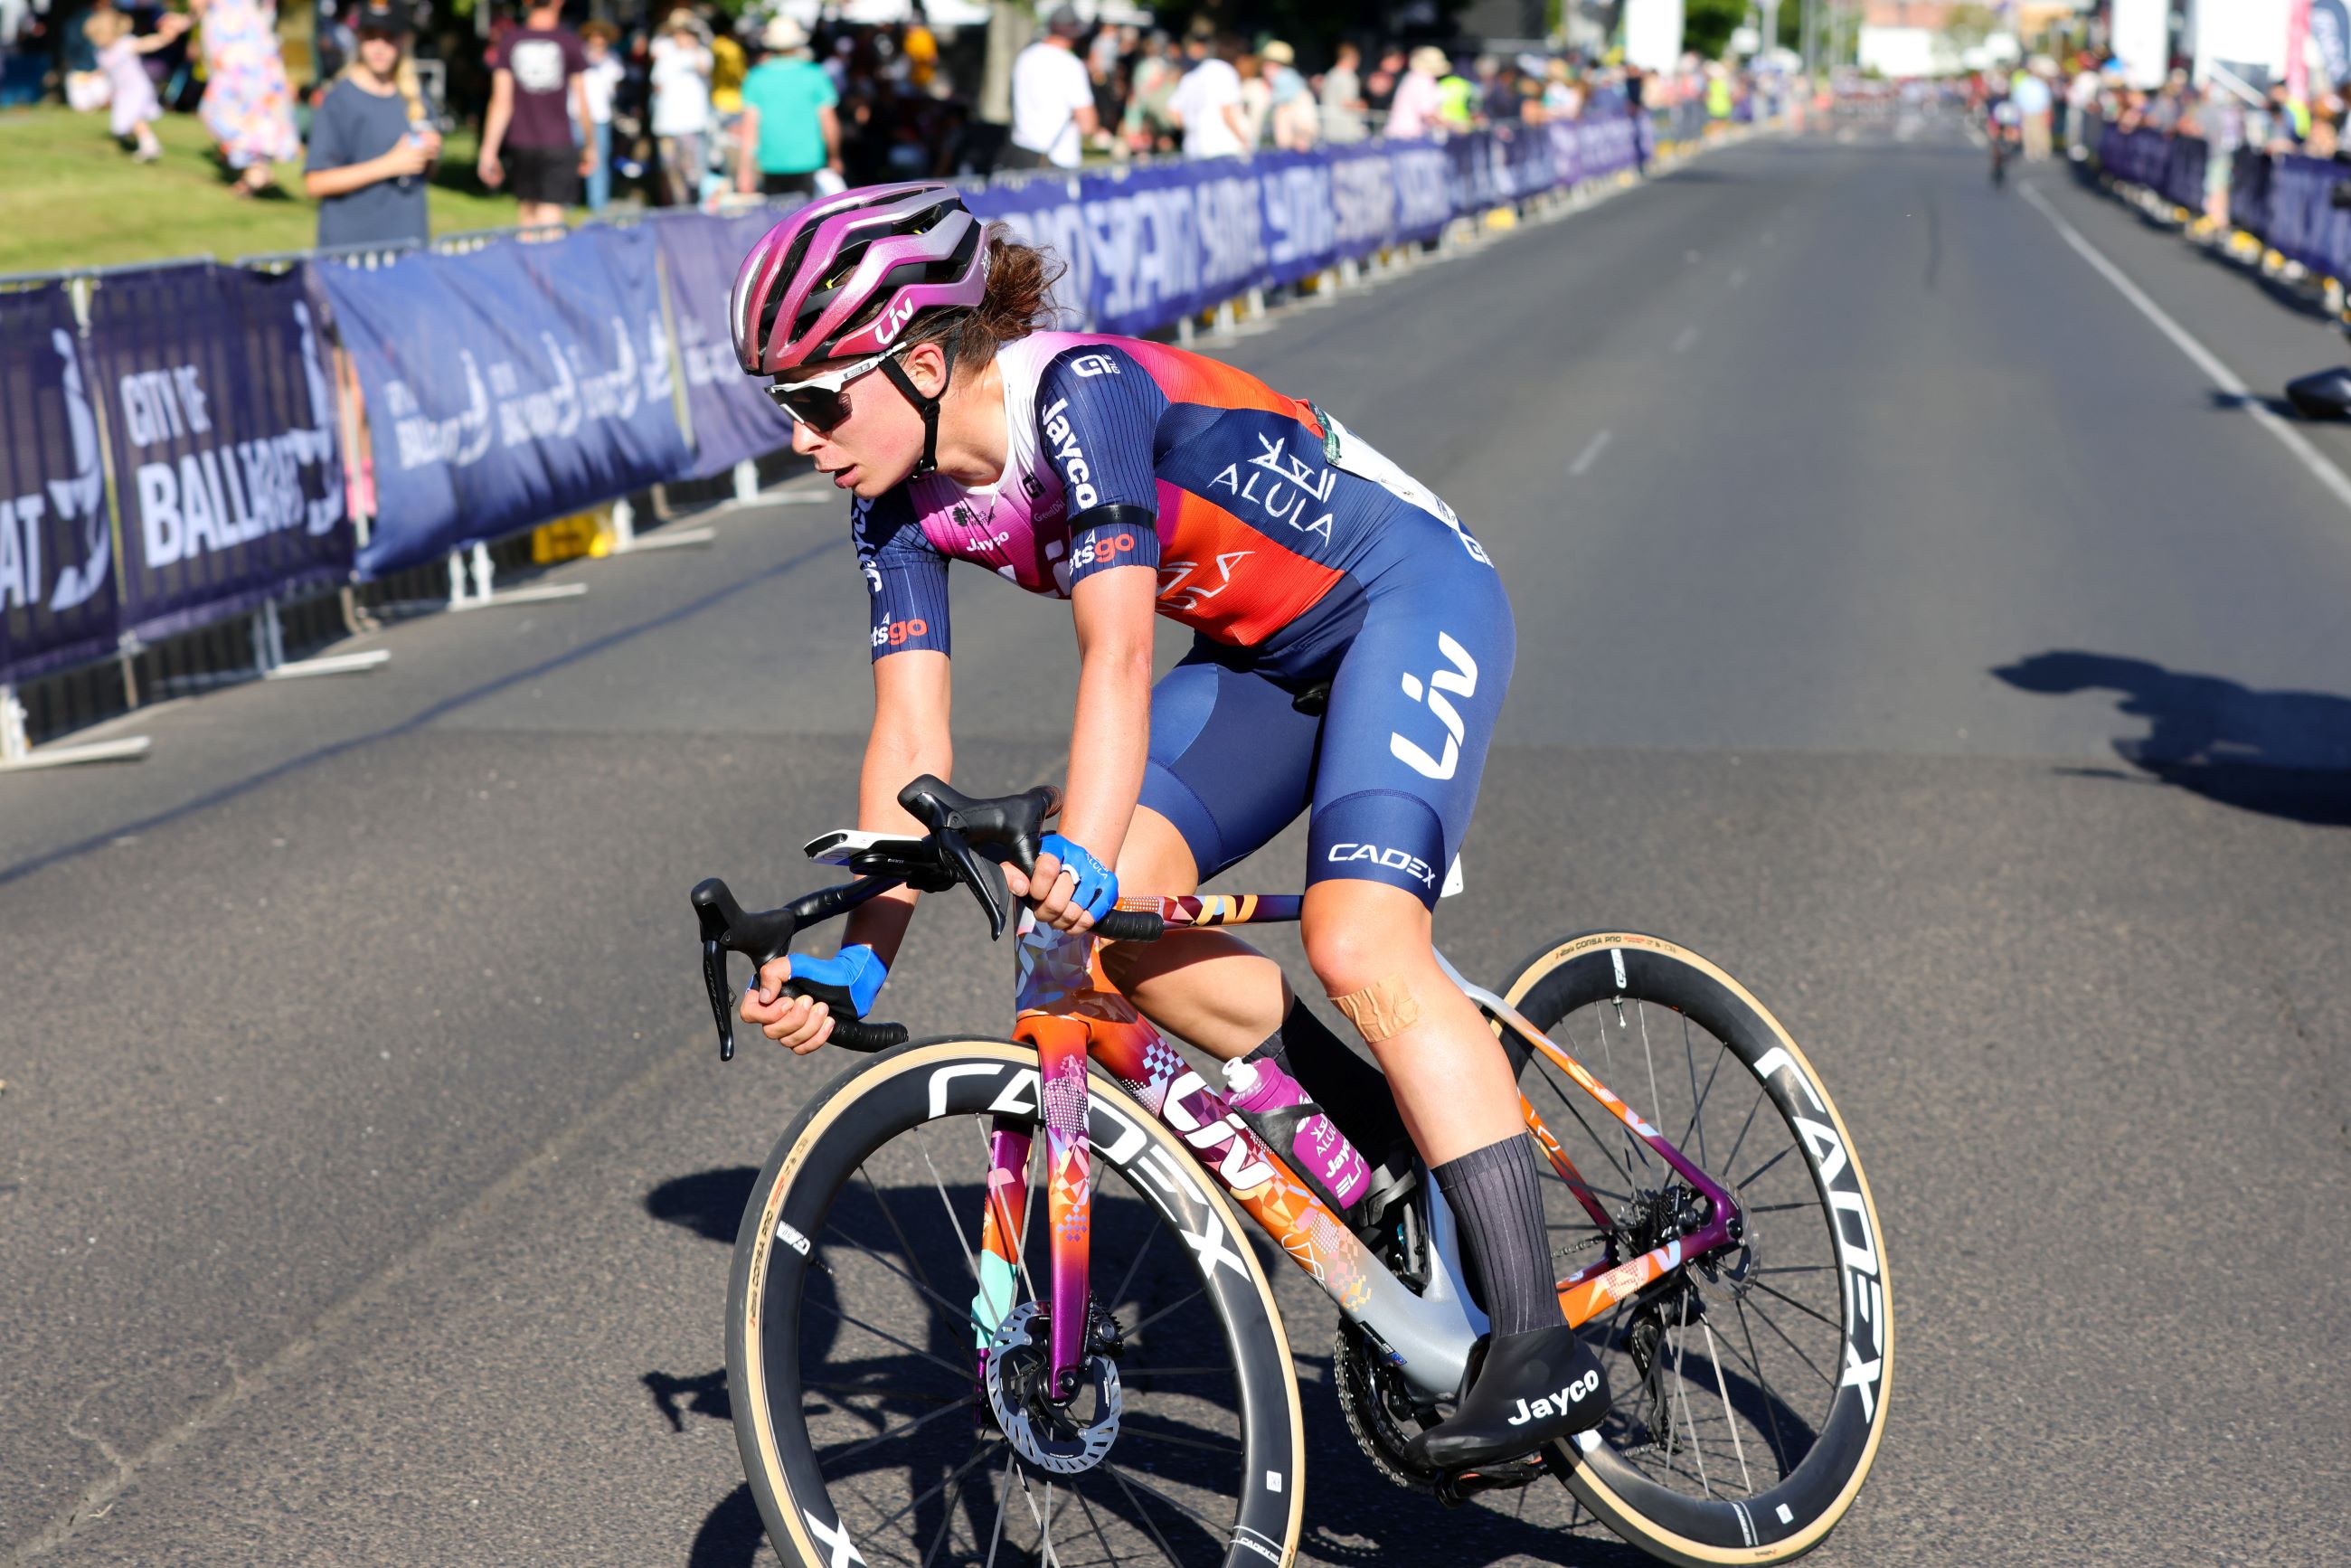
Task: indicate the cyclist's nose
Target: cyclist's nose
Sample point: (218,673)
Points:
(805,440)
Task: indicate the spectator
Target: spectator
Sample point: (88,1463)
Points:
(681,82)
(246,106)
(371,142)
(1457,100)
(1419,102)
(1148,125)
(536,94)
(921,48)
(790,130)
(85,83)
(1342,99)
(1257,98)
(1053,98)
(2031,95)
(1562,95)
(1380,87)
(602,78)
(1292,104)
(2081,106)
(1206,103)
(128,91)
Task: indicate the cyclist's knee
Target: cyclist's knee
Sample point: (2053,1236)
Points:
(1360,934)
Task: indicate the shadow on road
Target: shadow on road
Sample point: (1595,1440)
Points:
(709,1203)
(2280,753)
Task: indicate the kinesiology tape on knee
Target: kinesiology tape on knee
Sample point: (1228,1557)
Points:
(1381,1010)
(1352,1092)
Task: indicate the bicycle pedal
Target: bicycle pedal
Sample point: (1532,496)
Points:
(1454,1490)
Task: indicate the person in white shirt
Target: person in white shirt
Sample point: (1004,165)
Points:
(681,84)
(1208,102)
(1053,98)
(603,74)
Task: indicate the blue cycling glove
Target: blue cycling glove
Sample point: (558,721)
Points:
(1097,887)
(858,969)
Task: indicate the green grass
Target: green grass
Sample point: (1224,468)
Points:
(70,196)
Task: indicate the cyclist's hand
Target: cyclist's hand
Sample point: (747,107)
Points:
(801,1024)
(1070,887)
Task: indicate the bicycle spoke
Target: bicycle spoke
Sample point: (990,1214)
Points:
(1125,1371)
(1597,1142)
(1731,1160)
(947,1522)
(1044,1520)
(1791,1344)
(1729,1417)
(1682,1393)
(1129,1336)
(890,1338)
(1698,1095)
(1151,1435)
(1144,1514)
(1118,1296)
(1777,1207)
(1800,1306)
(1797,1268)
(913,1257)
(1608,1059)
(1191,1515)
(1656,1101)
(1766,1165)
(957,1318)
(995,1535)
(1088,1509)
(970,1258)
(907,1429)
(979,1451)
(1771,1400)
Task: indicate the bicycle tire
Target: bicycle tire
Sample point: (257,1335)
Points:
(1789,1519)
(940,1079)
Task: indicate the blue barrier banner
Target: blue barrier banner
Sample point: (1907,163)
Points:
(2183,172)
(1362,199)
(1424,189)
(221,420)
(56,578)
(1044,211)
(2249,192)
(507,386)
(730,412)
(1295,214)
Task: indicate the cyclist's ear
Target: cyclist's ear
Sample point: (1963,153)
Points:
(927,368)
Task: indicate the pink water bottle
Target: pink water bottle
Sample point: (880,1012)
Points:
(1317,1150)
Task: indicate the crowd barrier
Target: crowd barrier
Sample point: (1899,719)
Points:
(168,436)
(2287,202)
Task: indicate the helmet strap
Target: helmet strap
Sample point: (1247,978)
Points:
(928,407)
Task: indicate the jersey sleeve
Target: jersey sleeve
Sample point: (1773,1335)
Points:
(906,576)
(1097,423)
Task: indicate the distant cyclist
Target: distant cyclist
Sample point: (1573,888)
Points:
(1353,644)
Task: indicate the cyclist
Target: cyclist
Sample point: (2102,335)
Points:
(1352,646)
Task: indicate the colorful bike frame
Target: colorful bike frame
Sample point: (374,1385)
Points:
(1069,1010)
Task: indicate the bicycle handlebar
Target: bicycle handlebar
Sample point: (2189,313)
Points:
(969,840)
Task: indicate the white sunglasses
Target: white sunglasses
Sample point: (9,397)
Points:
(817,402)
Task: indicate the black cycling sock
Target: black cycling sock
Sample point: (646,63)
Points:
(1496,1202)
(1351,1092)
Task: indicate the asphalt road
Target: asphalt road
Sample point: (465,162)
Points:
(1904,621)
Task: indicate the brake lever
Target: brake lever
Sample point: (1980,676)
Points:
(983,875)
(721,919)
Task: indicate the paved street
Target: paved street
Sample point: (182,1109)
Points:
(1904,623)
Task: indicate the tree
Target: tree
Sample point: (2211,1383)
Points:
(1707,24)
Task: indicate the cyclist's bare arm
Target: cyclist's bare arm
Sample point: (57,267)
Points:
(912,694)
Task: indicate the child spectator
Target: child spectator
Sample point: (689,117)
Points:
(132,95)
(371,142)
(601,76)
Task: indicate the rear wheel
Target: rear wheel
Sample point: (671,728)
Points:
(1748,1388)
(851,1341)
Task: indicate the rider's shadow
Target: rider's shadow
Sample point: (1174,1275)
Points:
(2281,753)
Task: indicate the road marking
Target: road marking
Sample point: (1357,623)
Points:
(1590,454)
(2221,375)
(1682,343)
(1738,277)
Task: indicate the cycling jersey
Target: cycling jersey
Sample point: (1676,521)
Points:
(1263,505)
(1296,552)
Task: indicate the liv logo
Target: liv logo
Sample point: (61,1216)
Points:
(1462,680)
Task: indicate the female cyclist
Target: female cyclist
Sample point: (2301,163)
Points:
(1354,646)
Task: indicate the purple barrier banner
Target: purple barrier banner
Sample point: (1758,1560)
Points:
(2183,172)
(508,385)
(56,578)
(732,416)
(220,420)
(2303,223)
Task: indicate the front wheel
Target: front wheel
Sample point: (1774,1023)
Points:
(1748,1387)
(851,1339)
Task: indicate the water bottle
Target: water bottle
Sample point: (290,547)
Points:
(1317,1150)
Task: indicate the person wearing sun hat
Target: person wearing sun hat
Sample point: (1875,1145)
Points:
(790,132)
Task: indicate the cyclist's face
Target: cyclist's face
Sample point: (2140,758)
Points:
(875,445)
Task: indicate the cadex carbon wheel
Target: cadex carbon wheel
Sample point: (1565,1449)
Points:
(1748,1389)
(851,1339)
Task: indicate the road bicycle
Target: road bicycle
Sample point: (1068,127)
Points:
(921,1373)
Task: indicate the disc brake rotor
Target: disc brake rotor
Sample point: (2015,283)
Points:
(1052,1437)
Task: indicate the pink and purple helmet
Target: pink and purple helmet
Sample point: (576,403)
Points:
(844,277)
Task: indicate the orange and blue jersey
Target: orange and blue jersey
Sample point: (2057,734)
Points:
(1255,510)
(1353,643)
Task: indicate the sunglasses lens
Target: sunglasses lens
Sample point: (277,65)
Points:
(816,407)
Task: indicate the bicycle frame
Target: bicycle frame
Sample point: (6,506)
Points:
(1070,1011)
